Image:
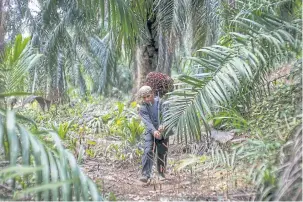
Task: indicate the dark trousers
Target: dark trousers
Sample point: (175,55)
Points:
(154,148)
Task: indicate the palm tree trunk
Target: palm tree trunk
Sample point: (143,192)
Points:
(146,57)
(144,63)
(48,84)
(59,89)
(80,81)
(166,52)
(154,54)
(34,81)
(2,21)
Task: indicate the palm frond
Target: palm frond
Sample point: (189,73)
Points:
(213,20)
(289,173)
(99,60)
(253,53)
(16,60)
(54,170)
(200,28)
(282,179)
(165,13)
(119,16)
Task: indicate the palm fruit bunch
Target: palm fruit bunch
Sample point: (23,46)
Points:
(159,82)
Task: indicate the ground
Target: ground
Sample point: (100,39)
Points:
(119,180)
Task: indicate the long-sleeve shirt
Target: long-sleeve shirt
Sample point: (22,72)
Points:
(150,115)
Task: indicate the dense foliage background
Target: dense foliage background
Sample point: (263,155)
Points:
(70,70)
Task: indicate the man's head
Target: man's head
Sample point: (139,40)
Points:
(146,94)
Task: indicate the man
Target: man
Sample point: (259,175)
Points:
(155,144)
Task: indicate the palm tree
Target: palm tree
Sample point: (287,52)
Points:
(45,172)
(36,163)
(16,59)
(2,20)
(154,33)
(234,71)
(63,33)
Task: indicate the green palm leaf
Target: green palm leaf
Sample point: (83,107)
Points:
(238,67)
(57,176)
(17,59)
(120,18)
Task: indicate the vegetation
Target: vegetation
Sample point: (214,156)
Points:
(40,168)
(237,68)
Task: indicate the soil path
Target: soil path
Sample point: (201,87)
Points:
(121,179)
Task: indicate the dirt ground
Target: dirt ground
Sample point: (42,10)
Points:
(119,181)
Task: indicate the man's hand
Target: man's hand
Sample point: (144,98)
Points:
(157,134)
